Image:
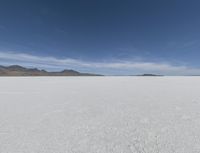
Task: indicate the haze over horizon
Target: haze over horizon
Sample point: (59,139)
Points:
(111,37)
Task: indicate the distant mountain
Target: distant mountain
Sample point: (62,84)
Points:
(149,75)
(16,70)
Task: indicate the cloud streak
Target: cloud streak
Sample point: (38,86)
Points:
(108,67)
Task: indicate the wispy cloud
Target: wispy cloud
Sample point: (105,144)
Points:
(184,44)
(106,67)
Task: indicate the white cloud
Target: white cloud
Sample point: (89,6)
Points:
(126,67)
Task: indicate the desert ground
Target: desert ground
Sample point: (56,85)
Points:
(100,114)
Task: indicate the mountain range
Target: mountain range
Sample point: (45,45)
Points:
(16,70)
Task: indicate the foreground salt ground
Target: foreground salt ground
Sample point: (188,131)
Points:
(100,115)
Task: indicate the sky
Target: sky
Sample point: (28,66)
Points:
(111,37)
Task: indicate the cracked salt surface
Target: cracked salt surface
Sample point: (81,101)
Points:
(100,115)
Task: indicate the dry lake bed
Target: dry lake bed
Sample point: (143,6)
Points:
(100,114)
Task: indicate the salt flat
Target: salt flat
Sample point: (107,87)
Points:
(100,114)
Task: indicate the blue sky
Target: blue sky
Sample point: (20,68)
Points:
(102,36)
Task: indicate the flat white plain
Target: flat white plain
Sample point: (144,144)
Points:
(100,114)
